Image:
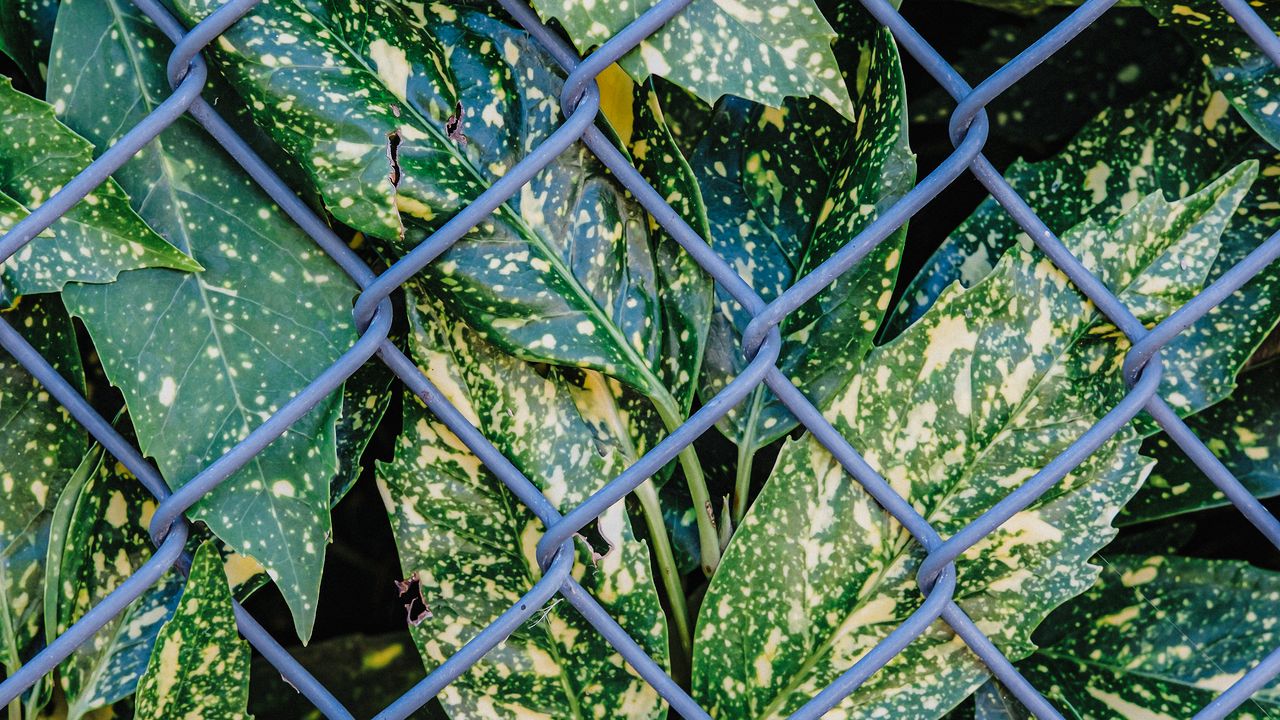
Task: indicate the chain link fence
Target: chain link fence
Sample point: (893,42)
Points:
(580,98)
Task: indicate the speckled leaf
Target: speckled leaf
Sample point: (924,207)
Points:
(1173,143)
(200,666)
(785,189)
(1159,637)
(623,417)
(98,539)
(763,52)
(471,543)
(1235,64)
(202,359)
(365,672)
(1122,57)
(1243,431)
(969,402)
(993,702)
(362,95)
(40,446)
(365,397)
(26,29)
(93,242)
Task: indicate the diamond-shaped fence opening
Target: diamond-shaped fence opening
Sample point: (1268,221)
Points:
(580,99)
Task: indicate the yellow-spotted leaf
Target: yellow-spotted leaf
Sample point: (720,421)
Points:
(764,52)
(203,359)
(1234,63)
(93,242)
(1243,431)
(1158,637)
(785,190)
(470,543)
(990,385)
(363,95)
(1172,142)
(40,447)
(200,666)
(98,539)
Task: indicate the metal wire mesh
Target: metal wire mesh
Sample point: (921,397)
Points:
(580,99)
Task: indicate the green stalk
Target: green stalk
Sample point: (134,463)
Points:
(708,538)
(682,651)
(746,457)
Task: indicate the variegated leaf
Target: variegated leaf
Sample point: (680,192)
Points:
(26,29)
(1243,431)
(1172,143)
(403,114)
(470,543)
(200,666)
(98,539)
(990,385)
(93,242)
(1235,64)
(204,359)
(785,189)
(564,273)
(365,672)
(365,397)
(623,416)
(40,446)
(1122,57)
(762,52)
(1159,637)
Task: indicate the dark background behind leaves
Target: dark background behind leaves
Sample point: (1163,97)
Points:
(1032,121)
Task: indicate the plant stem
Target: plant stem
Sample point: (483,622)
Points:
(742,482)
(682,652)
(708,538)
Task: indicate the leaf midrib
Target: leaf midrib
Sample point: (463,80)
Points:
(905,538)
(120,21)
(653,384)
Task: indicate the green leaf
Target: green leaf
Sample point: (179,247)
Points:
(98,539)
(40,447)
(203,359)
(470,543)
(1171,143)
(764,53)
(564,273)
(365,672)
(1243,431)
(1121,58)
(968,403)
(1235,64)
(1159,637)
(365,397)
(200,667)
(785,189)
(26,30)
(93,242)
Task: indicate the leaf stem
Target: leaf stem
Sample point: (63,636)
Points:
(708,538)
(742,481)
(682,652)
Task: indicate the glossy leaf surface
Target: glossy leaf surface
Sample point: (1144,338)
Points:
(1243,431)
(764,53)
(1172,143)
(93,242)
(1159,637)
(964,406)
(200,667)
(470,543)
(785,189)
(98,539)
(1235,64)
(202,359)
